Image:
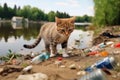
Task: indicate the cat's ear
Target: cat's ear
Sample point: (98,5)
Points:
(57,20)
(72,19)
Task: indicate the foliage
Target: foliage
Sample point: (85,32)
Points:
(84,18)
(62,15)
(107,12)
(33,13)
(1,11)
(51,16)
(9,55)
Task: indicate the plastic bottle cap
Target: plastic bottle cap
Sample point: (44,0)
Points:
(59,58)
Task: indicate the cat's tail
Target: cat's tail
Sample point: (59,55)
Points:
(34,44)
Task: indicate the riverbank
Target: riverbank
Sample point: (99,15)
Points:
(78,61)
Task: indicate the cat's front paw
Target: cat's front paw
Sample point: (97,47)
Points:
(52,55)
(65,55)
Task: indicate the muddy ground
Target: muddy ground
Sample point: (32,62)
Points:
(63,71)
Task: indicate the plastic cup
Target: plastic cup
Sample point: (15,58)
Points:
(104,53)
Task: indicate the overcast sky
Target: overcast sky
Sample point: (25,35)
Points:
(72,7)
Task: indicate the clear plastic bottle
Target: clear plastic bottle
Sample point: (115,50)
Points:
(97,74)
(43,56)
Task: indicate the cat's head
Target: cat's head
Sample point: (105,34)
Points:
(65,25)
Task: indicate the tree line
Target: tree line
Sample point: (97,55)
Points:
(36,14)
(107,12)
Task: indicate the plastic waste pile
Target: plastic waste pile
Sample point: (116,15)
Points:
(107,63)
(98,49)
(97,70)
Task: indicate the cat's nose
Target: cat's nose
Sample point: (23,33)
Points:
(66,33)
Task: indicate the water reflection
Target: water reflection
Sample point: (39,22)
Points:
(13,36)
(7,31)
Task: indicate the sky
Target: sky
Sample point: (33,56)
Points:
(72,7)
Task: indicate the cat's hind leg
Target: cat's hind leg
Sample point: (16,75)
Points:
(47,47)
(53,50)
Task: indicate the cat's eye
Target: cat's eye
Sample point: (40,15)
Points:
(70,30)
(62,30)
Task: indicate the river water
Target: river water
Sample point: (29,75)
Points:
(13,36)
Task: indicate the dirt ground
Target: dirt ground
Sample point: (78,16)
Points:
(64,72)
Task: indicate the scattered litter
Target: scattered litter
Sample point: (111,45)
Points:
(59,58)
(92,53)
(59,61)
(101,45)
(109,34)
(107,62)
(95,75)
(43,56)
(104,53)
(116,52)
(28,68)
(117,45)
(109,43)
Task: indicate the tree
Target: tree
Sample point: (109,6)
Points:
(62,14)
(37,14)
(26,12)
(45,17)
(5,11)
(30,13)
(84,18)
(107,12)
(15,10)
(1,12)
(58,14)
(10,13)
(51,16)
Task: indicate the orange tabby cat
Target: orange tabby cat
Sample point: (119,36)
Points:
(54,33)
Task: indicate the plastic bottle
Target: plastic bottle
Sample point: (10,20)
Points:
(97,74)
(107,62)
(102,45)
(43,56)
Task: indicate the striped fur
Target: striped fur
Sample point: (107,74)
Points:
(54,33)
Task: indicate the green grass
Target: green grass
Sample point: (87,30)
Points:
(9,55)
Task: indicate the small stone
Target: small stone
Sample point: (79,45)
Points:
(1,70)
(118,64)
(58,62)
(118,74)
(73,66)
(81,73)
(36,76)
(114,76)
(62,66)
